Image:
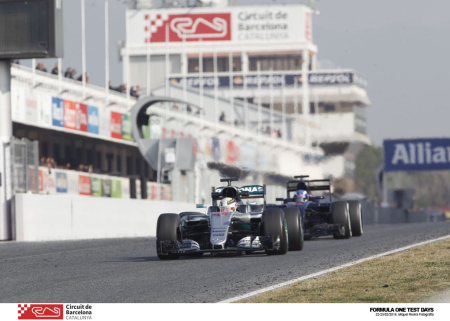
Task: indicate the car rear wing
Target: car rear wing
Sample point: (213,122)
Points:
(312,185)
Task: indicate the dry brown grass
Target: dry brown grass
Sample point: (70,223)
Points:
(406,277)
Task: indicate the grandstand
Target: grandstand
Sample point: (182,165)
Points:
(242,103)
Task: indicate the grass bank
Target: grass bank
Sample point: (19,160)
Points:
(406,277)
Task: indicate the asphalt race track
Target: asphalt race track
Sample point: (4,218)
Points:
(127,270)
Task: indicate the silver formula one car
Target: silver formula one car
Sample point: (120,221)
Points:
(230,226)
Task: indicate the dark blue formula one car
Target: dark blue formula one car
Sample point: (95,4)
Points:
(342,219)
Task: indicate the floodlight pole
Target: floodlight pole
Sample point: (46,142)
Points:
(5,137)
(83,47)
(106,52)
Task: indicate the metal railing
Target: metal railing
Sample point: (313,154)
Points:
(25,165)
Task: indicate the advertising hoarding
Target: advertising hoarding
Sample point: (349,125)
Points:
(96,186)
(70,114)
(126,127)
(116,188)
(57,112)
(84,185)
(116,125)
(267,80)
(417,154)
(93,120)
(238,24)
(82,117)
(61,182)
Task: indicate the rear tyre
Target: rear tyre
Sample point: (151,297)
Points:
(340,215)
(274,223)
(168,229)
(355,217)
(295,229)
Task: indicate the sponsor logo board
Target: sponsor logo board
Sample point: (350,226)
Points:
(115,126)
(126,127)
(417,154)
(61,182)
(96,186)
(57,112)
(276,80)
(93,120)
(82,117)
(70,114)
(84,185)
(40,312)
(240,24)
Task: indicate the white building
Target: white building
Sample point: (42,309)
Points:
(258,54)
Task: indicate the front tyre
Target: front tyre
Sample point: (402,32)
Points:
(295,229)
(168,229)
(340,215)
(355,218)
(274,224)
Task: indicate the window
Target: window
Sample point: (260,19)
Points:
(119,163)
(129,166)
(109,161)
(223,64)
(99,160)
(288,62)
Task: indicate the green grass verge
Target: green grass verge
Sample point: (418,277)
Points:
(406,277)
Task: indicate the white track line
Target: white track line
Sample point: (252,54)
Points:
(320,273)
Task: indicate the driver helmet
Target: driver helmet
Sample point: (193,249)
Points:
(229,202)
(301,195)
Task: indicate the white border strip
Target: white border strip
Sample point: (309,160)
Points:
(320,273)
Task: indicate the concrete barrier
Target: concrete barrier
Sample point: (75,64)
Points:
(72,217)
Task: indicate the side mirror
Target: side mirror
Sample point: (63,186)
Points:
(245,194)
(280,199)
(201,205)
(252,203)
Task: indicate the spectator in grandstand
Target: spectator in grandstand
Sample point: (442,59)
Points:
(134,91)
(222,117)
(111,86)
(279,133)
(189,109)
(236,123)
(42,162)
(81,78)
(68,73)
(81,168)
(68,166)
(73,74)
(55,70)
(91,169)
(41,67)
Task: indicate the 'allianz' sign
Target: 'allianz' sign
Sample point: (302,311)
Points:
(417,154)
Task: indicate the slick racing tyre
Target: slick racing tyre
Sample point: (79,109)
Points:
(355,217)
(168,229)
(274,223)
(340,215)
(295,229)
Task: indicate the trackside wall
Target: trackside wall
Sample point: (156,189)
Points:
(72,217)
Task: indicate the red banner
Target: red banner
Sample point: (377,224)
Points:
(84,185)
(82,117)
(40,312)
(232,152)
(188,27)
(116,125)
(70,114)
